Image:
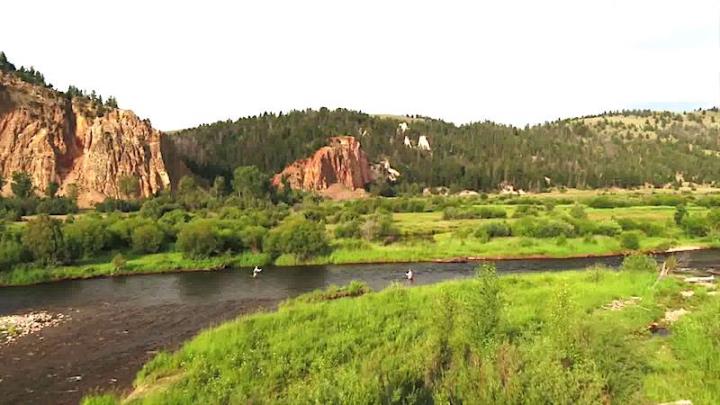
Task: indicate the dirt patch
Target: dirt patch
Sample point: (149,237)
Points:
(673,315)
(102,348)
(617,305)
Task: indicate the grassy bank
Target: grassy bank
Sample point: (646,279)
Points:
(418,236)
(445,248)
(136,264)
(542,338)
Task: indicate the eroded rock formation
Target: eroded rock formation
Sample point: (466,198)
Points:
(69,142)
(341,163)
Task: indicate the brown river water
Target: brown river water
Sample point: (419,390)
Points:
(116,324)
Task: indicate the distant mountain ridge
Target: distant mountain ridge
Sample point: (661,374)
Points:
(77,138)
(624,149)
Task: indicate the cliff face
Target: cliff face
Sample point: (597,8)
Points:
(341,164)
(68,142)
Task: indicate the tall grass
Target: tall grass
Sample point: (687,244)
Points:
(541,338)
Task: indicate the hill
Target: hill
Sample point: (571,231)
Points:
(78,143)
(621,149)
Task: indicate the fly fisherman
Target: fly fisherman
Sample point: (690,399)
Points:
(256,271)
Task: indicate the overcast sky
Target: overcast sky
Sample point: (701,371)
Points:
(183,63)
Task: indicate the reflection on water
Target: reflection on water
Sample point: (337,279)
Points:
(274,282)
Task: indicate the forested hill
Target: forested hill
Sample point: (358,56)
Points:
(628,148)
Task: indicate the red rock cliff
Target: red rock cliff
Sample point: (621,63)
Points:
(342,162)
(55,139)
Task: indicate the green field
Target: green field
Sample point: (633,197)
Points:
(541,338)
(423,236)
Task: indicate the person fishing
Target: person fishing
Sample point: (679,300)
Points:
(256,271)
(409,275)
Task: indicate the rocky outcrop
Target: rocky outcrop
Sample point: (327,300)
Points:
(70,142)
(341,163)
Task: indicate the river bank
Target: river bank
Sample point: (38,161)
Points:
(594,335)
(100,348)
(174,262)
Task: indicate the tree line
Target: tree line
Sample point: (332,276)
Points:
(479,156)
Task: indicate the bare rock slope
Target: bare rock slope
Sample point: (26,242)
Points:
(56,139)
(340,169)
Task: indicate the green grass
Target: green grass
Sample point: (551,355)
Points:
(550,342)
(425,237)
(137,264)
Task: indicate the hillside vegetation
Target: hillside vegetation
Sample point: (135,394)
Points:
(624,149)
(544,338)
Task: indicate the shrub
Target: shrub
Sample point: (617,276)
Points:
(495,229)
(114,204)
(604,201)
(607,228)
(694,225)
(578,211)
(172,221)
(147,238)
(86,237)
(197,239)
(57,206)
(526,210)
(252,237)
(12,252)
(350,229)
(484,307)
(119,262)
(649,228)
(485,212)
(542,228)
(630,240)
(43,237)
(640,263)
(379,226)
(299,237)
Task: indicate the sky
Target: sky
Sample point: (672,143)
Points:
(184,63)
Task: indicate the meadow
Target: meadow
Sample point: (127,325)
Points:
(580,337)
(387,230)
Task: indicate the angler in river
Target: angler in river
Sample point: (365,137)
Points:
(409,275)
(256,271)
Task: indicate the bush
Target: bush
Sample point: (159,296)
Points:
(607,228)
(57,206)
(86,237)
(649,228)
(147,238)
(12,252)
(484,212)
(696,226)
(350,229)
(494,229)
(542,228)
(640,263)
(379,226)
(114,204)
(119,262)
(43,237)
(197,239)
(578,211)
(526,211)
(630,240)
(172,221)
(299,237)
(604,201)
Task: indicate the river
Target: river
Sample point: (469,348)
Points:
(118,323)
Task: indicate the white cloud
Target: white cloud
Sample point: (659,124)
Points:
(185,63)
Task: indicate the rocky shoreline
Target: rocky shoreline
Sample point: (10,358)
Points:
(13,327)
